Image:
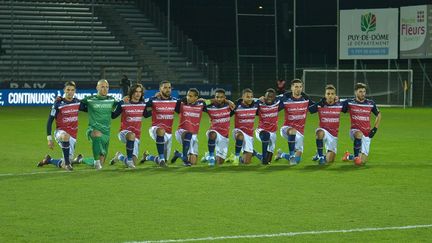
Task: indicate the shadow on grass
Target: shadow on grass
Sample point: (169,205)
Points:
(150,169)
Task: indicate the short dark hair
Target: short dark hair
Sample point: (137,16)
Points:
(270,90)
(70,83)
(330,86)
(133,88)
(296,81)
(194,90)
(360,86)
(220,91)
(247,90)
(164,82)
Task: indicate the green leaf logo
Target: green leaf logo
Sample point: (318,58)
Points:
(368,22)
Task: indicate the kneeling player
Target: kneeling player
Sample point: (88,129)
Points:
(65,112)
(268,110)
(327,133)
(245,113)
(190,113)
(130,128)
(361,133)
(219,113)
(163,107)
(296,106)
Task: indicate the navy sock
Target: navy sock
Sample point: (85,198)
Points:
(291,143)
(65,148)
(160,144)
(151,157)
(265,139)
(55,162)
(211,146)
(258,155)
(320,146)
(357,146)
(129,149)
(238,146)
(186,145)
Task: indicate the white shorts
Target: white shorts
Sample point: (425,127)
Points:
(193,149)
(167,138)
(247,141)
(330,141)
(222,142)
(122,137)
(298,140)
(365,142)
(272,142)
(72,141)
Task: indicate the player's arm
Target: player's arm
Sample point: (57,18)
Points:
(314,107)
(117,111)
(51,118)
(178,105)
(83,105)
(377,114)
(345,106)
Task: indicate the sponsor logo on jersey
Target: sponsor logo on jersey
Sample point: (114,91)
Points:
(164,108)
(297,117)
(165,117)
(134,119)
(221,120)
(70,119)
(329,120)
(360,118)
(191,114)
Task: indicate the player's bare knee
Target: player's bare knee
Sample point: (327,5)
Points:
(160,132)
(212,135)
(239,136)
(130,136)
(64,137)
(358,135)
(320,134)
(291,131)
(96,134)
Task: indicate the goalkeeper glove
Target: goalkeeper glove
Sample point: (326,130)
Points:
(373,132)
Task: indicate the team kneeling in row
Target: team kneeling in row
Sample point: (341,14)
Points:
(102,108)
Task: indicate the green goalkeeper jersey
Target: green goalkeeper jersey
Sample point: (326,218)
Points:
(99,111)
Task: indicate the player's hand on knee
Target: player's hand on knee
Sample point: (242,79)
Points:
(373,132)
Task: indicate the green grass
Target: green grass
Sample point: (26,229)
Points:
(151,203)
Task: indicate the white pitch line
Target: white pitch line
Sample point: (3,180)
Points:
(288,234)
(42,172)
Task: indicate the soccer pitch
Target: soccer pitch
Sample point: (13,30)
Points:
(248,203)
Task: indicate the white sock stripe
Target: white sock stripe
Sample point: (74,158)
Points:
(288,234)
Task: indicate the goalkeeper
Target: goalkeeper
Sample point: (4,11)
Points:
(99,108)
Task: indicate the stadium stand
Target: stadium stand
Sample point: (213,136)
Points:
(51,41)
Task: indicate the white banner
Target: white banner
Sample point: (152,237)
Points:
(368,34)
(416,31)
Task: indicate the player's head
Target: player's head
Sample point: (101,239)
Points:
(330,93)
(136,93)
(269,96)
(220,96)
(296,87)
(102,87)
(280,83)
(247,96)
(69,90)
(360,91)
(192,95)
(165,88)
